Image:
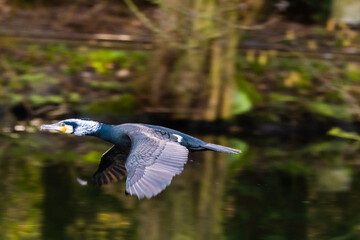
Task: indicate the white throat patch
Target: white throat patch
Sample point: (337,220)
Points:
(84,127)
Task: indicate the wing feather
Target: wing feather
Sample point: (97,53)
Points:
(112,166)
(152,163)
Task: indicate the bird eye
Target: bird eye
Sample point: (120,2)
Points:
(62,124)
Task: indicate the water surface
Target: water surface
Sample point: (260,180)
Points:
(277,189)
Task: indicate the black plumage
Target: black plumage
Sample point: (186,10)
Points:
(112,166)
(148,155)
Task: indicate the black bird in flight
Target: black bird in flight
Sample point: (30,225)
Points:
(150,156)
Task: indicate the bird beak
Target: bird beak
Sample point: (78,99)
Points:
(53,128)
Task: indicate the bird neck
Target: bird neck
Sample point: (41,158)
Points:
(103,130)
(110,133)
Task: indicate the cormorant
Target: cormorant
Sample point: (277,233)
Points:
(150,156)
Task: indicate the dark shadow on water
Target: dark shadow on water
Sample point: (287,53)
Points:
(268,204)
(59,207)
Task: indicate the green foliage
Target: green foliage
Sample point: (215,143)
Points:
(283,98)
(283,82)
(123,105)
(15,98)
(106,85)
(352,72)
(56,52)
(39,100)
(93,156)
(338,132)
(325,148)
(241,103)
(102,60)
(317,106)
(328,110)
(249,90)
(74,97)
(36,78)
(310,86)
(245,96)
(74,64)
(237,161)
(56,74)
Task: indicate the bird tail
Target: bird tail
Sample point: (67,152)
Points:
(220,148)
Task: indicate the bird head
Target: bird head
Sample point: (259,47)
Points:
(79,127)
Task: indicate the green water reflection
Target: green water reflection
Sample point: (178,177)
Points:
(276,189)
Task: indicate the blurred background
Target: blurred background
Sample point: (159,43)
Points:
(278,79)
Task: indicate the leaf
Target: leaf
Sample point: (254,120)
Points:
(93,157)
(248,89)
(241,103)
(74,97)
(16,98)
(335,131)
(105,84)
(329,110)
(55,99)
(37,99)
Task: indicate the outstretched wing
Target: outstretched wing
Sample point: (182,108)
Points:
(112,166)
(152,163)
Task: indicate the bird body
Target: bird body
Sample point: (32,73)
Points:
(118,134)
(148,155)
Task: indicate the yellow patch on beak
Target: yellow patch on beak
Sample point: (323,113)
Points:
(67,129)
(63,129)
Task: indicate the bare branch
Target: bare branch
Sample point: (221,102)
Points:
(145,20)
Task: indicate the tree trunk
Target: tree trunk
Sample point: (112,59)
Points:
(192,70)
